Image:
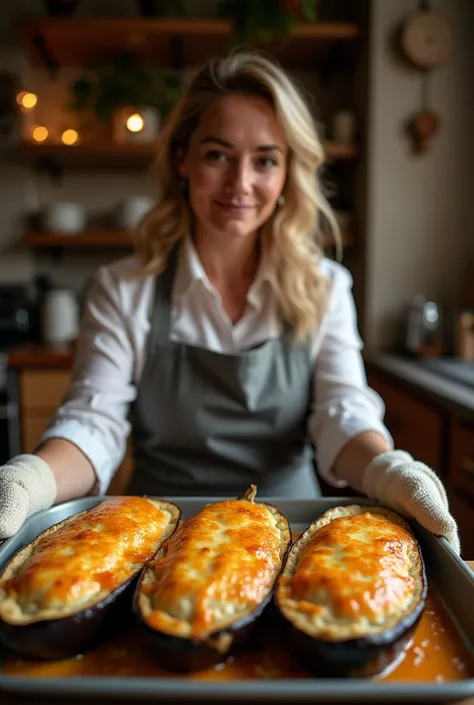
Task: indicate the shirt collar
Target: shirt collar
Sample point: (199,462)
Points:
(190,271)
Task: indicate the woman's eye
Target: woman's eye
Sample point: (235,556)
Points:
(267,162)
(214,155)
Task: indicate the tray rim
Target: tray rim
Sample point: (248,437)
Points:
(299,690)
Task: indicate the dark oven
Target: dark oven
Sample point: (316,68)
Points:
(17,327)
(9,412)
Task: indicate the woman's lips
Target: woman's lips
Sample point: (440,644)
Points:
(234,208)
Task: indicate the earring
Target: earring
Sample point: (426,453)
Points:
(281,200)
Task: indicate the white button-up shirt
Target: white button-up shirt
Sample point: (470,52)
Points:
(113,344)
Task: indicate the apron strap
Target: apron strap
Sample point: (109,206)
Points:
(160,318)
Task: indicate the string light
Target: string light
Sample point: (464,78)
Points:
(27,100)
(40,133)
(70,137)
(135,123)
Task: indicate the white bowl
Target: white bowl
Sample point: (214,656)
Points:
(65,217)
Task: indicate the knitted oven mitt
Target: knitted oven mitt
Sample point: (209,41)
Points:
(414,490)
(27,485)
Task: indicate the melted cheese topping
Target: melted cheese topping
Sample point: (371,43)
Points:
(356,575)
(219,565)
(84,560)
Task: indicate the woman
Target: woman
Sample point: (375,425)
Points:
(228,335)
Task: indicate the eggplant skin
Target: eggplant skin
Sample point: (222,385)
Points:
(361,657)
(65,637)
(188,654)
(61,638)
(354,658)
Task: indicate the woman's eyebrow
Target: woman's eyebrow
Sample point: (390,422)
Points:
(229,145)
(224,143)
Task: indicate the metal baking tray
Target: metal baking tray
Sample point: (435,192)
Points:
(452,578)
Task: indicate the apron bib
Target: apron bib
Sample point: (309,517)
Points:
(209,424)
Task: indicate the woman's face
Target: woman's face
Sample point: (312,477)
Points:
(235,166)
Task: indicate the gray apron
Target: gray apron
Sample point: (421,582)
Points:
(209,424)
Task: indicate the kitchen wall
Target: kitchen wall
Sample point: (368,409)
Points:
(420,234)
(419,219)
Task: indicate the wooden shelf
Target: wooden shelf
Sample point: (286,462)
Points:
(164,42)
(95,239)
(88,239)
(103,155)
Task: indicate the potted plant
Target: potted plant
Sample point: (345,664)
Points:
(302,10)
(263,20)
(112,91)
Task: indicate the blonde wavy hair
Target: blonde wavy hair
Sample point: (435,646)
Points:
(292,237)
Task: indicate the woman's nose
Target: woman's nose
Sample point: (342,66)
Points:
(240,177)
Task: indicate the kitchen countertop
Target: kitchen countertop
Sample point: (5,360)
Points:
(9,700)
(454,395)
(40,357)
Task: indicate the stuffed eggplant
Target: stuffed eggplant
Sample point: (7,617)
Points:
(60,594)
(352,591)
(199,598)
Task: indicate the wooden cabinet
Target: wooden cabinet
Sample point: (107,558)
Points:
(414,424)
(461,483)
(41,392)
(462,458)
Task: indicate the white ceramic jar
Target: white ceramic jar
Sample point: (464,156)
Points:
(60,317)
(344,127)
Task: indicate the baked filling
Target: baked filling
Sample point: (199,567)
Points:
(357,574)
(218,567)
(83,561)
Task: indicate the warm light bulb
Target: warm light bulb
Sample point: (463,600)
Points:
(40,133)
(27,100)
(70,137)
(135,123)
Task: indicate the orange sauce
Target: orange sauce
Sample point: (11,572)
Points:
(437,653)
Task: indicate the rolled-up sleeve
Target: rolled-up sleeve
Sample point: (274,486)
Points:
(343,404)
(93,414)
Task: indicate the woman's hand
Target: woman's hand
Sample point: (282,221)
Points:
(27,485)
(413,489)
